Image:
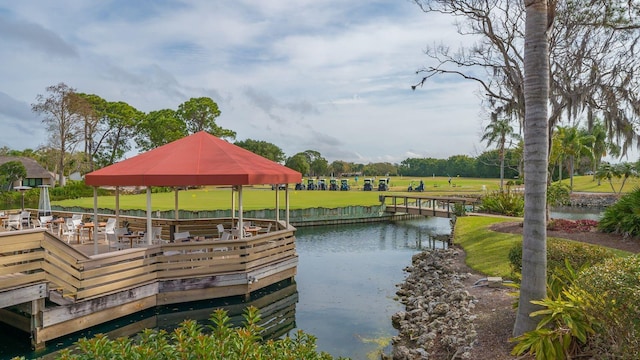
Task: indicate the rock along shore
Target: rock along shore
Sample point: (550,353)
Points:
(437,322)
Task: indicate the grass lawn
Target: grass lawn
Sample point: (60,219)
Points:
(262,197)
(488,251)
(586,183)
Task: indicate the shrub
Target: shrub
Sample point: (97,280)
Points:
(558,194)
(503,203)
(623,217)
(615,289)
(577,254)
(191,341)
(74,190)
(563,329)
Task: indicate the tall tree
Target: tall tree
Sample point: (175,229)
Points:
(158,128)
(121,122)
(594,68)
(263,148)
(62,124)
(85,106)
(498,132)
(299,163)
(199,114)
(536,140)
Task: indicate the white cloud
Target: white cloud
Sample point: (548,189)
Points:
(330,75)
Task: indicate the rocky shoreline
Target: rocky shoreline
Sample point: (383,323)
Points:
(437,322)
(594,200)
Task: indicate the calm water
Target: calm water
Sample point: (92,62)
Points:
(576,213)
(343,293)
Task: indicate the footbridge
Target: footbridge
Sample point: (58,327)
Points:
(439,206)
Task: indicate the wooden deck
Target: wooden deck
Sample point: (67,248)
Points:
(424,205)
(86,290)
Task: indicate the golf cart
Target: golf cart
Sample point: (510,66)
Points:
(344,185)
(311,184)
(299,186)
(419,188)
(280,187)
(322,185)
(368,185)
(333,184)
(383,184)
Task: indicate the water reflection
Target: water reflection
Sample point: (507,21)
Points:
(576,213)
(347,277)
(277,304)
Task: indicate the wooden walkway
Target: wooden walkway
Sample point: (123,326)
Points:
(437,206)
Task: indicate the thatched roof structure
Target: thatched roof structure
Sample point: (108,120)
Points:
(34,170)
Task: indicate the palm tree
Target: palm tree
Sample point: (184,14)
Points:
(600,147)
(574,144)
(536,151)
(498,132)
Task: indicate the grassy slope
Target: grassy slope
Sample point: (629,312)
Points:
(488,251)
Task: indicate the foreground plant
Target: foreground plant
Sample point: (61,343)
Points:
(193,341)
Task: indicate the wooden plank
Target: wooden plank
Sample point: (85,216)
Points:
(60,314)
(115,268)
(20,268)
(23,294)
(94,318)
(27,245)
(21,257)
(201,294)
(118,285)
(15,320)
(63,266)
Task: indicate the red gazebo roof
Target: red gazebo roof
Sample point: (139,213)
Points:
(198,159)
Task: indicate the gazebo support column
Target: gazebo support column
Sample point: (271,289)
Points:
(147,233)
(278,201)
(117,206)
(240,215)
(95,220)
(286,196)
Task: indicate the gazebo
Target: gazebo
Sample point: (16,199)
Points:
(196,160)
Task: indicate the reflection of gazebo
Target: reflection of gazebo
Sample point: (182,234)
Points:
(196,160)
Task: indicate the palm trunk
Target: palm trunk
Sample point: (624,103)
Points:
(536,132)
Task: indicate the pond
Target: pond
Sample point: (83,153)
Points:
(344,292)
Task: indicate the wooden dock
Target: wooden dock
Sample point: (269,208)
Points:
(437,206)
(86,290)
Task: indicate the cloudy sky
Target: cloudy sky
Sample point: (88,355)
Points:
(326,75)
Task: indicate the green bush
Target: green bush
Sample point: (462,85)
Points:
(503,203)
(558,194)
(614,288)
(577,254)
(193,341)
(623,217)
(74,190)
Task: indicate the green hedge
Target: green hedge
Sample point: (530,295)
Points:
(612,289)
(578,255)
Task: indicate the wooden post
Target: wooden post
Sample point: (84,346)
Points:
(37,306)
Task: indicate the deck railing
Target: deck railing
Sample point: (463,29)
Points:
(33,256)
